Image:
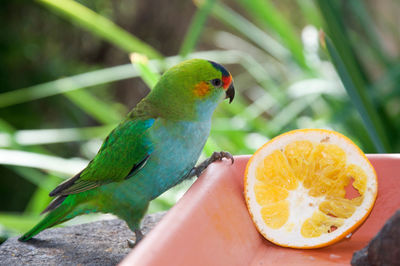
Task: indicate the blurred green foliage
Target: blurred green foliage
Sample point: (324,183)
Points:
(66,79)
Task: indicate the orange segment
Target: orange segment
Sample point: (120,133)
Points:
(308,188)
(275,170)
(319,224)
(276,214)
(358,175)
(327,162)
(338,207)
(267,194)
(298,155)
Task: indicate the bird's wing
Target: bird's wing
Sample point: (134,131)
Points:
(124,152)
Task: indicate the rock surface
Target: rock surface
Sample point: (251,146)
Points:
(384,248)
(97,243)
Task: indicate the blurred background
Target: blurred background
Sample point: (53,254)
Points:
(66,79)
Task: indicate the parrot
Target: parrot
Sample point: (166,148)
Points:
(155,147)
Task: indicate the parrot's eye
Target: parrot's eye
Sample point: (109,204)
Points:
(216,82)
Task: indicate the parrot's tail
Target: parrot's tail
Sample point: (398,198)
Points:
(56,216)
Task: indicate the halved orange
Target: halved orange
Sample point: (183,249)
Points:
(309,188)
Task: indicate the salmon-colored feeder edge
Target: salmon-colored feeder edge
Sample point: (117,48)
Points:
(211,225)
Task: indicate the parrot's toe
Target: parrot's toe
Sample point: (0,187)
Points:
(139,237)
(131,243)
(218,156)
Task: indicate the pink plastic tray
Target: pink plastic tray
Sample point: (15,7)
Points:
(210,225)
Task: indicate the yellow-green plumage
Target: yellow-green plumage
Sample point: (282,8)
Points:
(153,149)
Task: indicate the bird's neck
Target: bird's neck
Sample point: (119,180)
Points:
(151,107)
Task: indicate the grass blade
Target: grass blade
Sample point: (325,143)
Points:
(58,135)
(63,85)
(96,108)
(100,26)
(148,75)
(46,162)
(360,99)
(338,33)
(290,112)
(196,27)
(229,17)
(40,199)
(18,222)
(267,14)
(34,176)
(310,12)
(104,76)
(358,7)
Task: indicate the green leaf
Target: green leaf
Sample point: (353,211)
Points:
(63,85)
(98,109)
(310,12)
(148,75)
(34,176)
(196,27)
(100,26)
(56,135)
(40,198)
(268,15)
(369,29)
(360,99)
(19,223)
(44,182)
(107,75)
(42,161)
(337,31)
(291,112)
(231,18)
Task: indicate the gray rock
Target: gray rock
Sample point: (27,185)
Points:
(384,248)
(360,258)
(97,243)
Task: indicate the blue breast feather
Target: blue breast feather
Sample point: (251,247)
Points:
(176,149)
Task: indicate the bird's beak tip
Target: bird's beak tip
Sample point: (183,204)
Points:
(230,93)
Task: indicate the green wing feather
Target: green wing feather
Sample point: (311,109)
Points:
(125,150)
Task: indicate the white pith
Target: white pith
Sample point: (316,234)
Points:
(302,206)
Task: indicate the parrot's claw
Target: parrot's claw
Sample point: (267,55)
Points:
(139,237)
(216,156)
(131,243)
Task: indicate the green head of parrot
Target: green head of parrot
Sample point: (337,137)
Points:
(191,89)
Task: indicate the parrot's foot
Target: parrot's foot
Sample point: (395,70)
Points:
(139,236)
(216,156)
